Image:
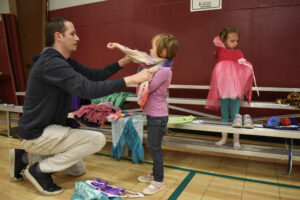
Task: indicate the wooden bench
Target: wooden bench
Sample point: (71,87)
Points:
(201,102)
(211,124)
(247,149)
(9,109)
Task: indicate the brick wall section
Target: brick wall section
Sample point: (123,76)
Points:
(270,31)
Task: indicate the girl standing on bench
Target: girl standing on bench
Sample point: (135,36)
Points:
(231,80)
(163,51)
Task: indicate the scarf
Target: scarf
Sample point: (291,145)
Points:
(155,64)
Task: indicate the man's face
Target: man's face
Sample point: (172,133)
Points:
(69,38)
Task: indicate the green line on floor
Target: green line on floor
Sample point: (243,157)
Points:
(214,174)
(182,186)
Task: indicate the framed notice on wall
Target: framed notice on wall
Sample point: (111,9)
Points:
(202,5)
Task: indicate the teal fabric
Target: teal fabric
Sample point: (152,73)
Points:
(118,99)
(83,191)
(130,130)
(231,106)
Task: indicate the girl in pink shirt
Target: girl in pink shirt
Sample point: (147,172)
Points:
(163,51)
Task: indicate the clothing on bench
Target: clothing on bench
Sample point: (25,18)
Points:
(128,129)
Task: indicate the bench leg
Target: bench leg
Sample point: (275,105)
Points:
(126,152)
(8,123)
(290,164)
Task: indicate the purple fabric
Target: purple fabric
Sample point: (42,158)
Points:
(293,121)
(107,189)
(72,123)
(167,63)
(76,102)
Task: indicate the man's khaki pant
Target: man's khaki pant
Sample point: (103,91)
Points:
(64,147)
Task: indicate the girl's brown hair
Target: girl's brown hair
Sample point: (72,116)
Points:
(168,42)
(226,30)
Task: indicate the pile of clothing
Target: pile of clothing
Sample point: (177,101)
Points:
(281,123)
(96,115)
(292,99)
(98,189)
(118,99)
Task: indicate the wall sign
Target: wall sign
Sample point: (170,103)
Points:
(201,5)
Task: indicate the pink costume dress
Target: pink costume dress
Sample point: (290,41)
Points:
(232,76)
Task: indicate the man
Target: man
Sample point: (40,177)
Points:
(53,80)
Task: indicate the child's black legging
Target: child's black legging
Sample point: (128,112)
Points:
(156,128)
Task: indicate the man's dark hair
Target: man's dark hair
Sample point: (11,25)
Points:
(53,25)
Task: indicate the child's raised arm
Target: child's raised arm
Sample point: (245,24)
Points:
(135,55)
(113,45)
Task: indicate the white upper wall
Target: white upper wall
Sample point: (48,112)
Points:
(4,7)
(58,4)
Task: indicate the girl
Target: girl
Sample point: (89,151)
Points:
(163,51)
(231,80)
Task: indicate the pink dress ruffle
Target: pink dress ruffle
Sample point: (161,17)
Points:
(229,79)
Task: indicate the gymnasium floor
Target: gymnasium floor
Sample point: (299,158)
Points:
(188,176)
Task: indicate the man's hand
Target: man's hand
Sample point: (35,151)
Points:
(144,75)
(124,61)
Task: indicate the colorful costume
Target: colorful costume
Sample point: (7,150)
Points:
(97,189)
(232,76)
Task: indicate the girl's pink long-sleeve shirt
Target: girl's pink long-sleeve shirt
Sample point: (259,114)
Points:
(156,104)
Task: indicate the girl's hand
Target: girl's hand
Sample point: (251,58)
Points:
(112,45)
